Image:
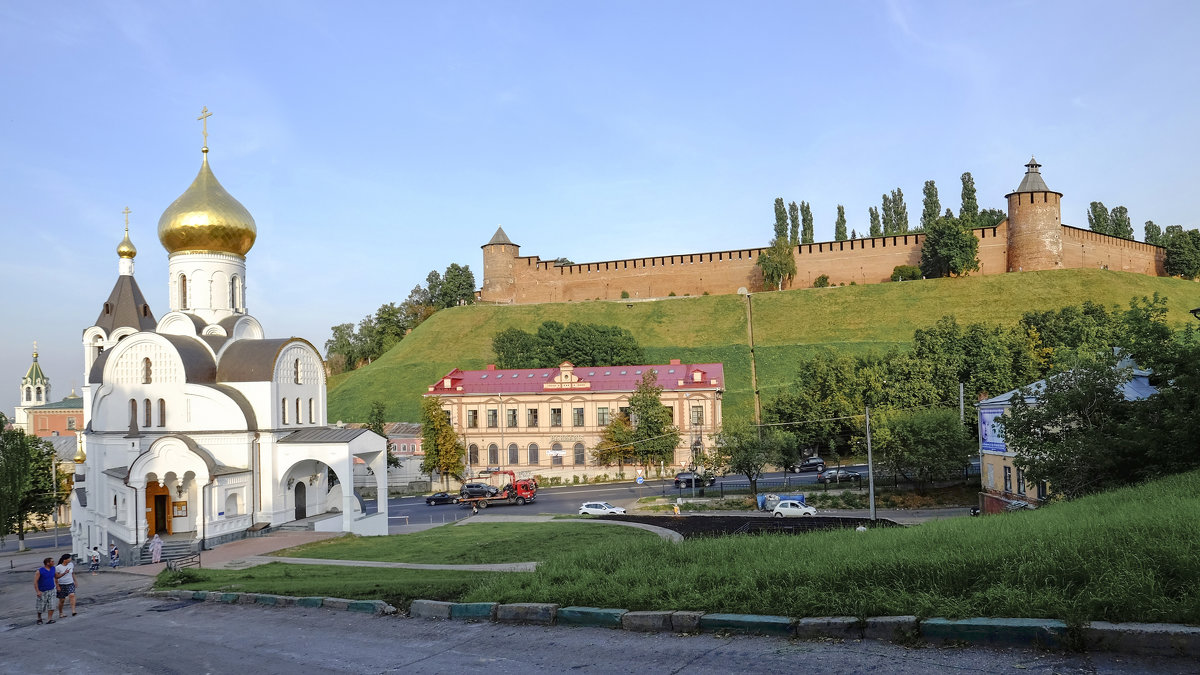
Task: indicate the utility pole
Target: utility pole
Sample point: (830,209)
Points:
(54,486)
(962,416)
(870,467)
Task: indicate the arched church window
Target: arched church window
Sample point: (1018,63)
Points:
(107,309)
(146,368)
(162,413)
(296,371)
(183,291)
(38,394)
(311,410)
(132,412)
(283,411)
(298,417)
(28,394)
(148,411)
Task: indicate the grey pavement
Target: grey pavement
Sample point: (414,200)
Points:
(145,635)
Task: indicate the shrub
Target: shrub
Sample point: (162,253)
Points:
(906,273)
(671,294)
(821,281)
(624,294)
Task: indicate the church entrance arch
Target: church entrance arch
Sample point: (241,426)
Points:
(301,501)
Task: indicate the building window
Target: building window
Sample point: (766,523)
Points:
(283,411)
(697,415)
(991,476)
(580,456)
(146,405)
(472,419)
(602,416)
(577,417)
(162,413)
(1041,489)
(38,393)
(492,418)
(473,455)
(28,394)
(183,292)
(71,423)
(1020,482)
(132,412)
(556,453)
(1008,479)
(624,411)
(447,414)
(556,417)
(146,371)
(533,453)
(296,371)
(514,454)
(531,420)
(511,418)
(493,455)
(299,419)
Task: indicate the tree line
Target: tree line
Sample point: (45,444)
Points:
(28,493)
(351,347)
(583,344)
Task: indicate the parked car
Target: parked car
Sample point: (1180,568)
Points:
(789,508)
(478,490)
(441,498)
(686,478)
(600,509)
(838,476)
(809,464)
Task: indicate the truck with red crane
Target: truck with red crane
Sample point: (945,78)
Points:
(508,490)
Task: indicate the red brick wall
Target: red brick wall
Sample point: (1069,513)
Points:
(1084,248)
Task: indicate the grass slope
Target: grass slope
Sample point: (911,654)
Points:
(788,326)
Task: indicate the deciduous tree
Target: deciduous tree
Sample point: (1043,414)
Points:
(28,493)
(654,436)
(376,422)
(899,212)
(781,220)
(990,218)
(876,226)
(1098,218)
(793,224)
(444,451)
(923,445)
(1119,224)
(839,225)
(968,213)
(739,447)
(1183,252)
(949,249)
(1153,233)
(888,214)
(806,223)
(931,206)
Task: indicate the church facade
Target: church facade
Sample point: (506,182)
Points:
(1031,238)
(197,424)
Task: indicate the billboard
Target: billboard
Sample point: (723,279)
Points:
(990,438)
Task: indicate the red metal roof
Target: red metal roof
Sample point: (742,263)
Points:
(600,378)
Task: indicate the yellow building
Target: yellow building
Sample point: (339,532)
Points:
(546,421)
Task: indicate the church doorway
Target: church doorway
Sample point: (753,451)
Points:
(158,507)
(160,514)
(301,501)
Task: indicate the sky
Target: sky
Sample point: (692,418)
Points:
(376,141)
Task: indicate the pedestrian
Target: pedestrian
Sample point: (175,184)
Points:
(65,573)
(114,557)
(94,560)
(44,581)
(156,549)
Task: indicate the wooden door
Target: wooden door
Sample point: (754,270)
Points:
(301,506)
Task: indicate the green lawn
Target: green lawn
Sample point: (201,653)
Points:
(474,543)
(1128,555)
(788,326)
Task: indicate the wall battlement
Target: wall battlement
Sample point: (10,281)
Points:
(1032,238)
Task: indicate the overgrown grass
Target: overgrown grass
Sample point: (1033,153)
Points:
(1129,555)
(398,587)
(788,326)
(474,543)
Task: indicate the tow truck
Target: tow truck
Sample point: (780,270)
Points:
(511,490)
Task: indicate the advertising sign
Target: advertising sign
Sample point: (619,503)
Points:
(990,438)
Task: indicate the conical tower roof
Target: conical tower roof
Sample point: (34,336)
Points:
(499,238)
(34,376)
(1032,182)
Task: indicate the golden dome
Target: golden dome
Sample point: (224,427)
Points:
(207,219)
(80,455)
(126,249)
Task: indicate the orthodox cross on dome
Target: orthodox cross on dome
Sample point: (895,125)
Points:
(35,350)
(127,212)
(204,115)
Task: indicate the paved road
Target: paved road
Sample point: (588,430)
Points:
(141,635)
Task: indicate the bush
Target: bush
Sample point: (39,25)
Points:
(906,273)
(822,281)
(671,294)
(624,294)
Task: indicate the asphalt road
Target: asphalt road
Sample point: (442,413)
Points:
(135,634)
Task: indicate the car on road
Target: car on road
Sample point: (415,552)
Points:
(687,478)
(809,464)
(789,508)
(600,509)
(838,476)
(441,498)
(478,490)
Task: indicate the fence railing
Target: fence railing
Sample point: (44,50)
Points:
(789,484)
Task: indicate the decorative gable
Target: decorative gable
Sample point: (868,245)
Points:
(566,379)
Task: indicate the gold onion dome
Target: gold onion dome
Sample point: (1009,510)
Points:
(126,249)
(206,218)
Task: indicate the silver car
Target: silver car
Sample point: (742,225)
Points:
(600,509)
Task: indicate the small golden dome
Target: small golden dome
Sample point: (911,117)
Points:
(80,455)
(126,249)
(206,218)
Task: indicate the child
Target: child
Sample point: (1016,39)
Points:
(94,560)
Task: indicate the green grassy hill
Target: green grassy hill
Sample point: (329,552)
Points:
(788,325)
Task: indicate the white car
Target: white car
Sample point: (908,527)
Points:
(789,508)
(600,509)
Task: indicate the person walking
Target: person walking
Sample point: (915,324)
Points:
(114,557)
(44,581)
(65,573)
(156,549)
(94,560)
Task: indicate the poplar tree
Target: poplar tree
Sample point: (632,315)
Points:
(794,223)
(806,220)
(781,220)
(932,209)
(876,228)
(1119,224)
(1098,218)
(899,212)
(839,226)
(1153,233)
(889,217)
(968,213)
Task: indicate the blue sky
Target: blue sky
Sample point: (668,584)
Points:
(375,141)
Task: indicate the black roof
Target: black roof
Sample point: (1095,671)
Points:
(126,307)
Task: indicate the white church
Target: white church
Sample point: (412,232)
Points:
(197,426)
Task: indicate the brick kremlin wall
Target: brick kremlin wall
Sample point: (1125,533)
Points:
(1084,248)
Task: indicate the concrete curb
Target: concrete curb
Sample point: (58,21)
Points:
(1143,639)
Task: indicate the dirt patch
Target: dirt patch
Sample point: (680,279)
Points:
(718,526)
